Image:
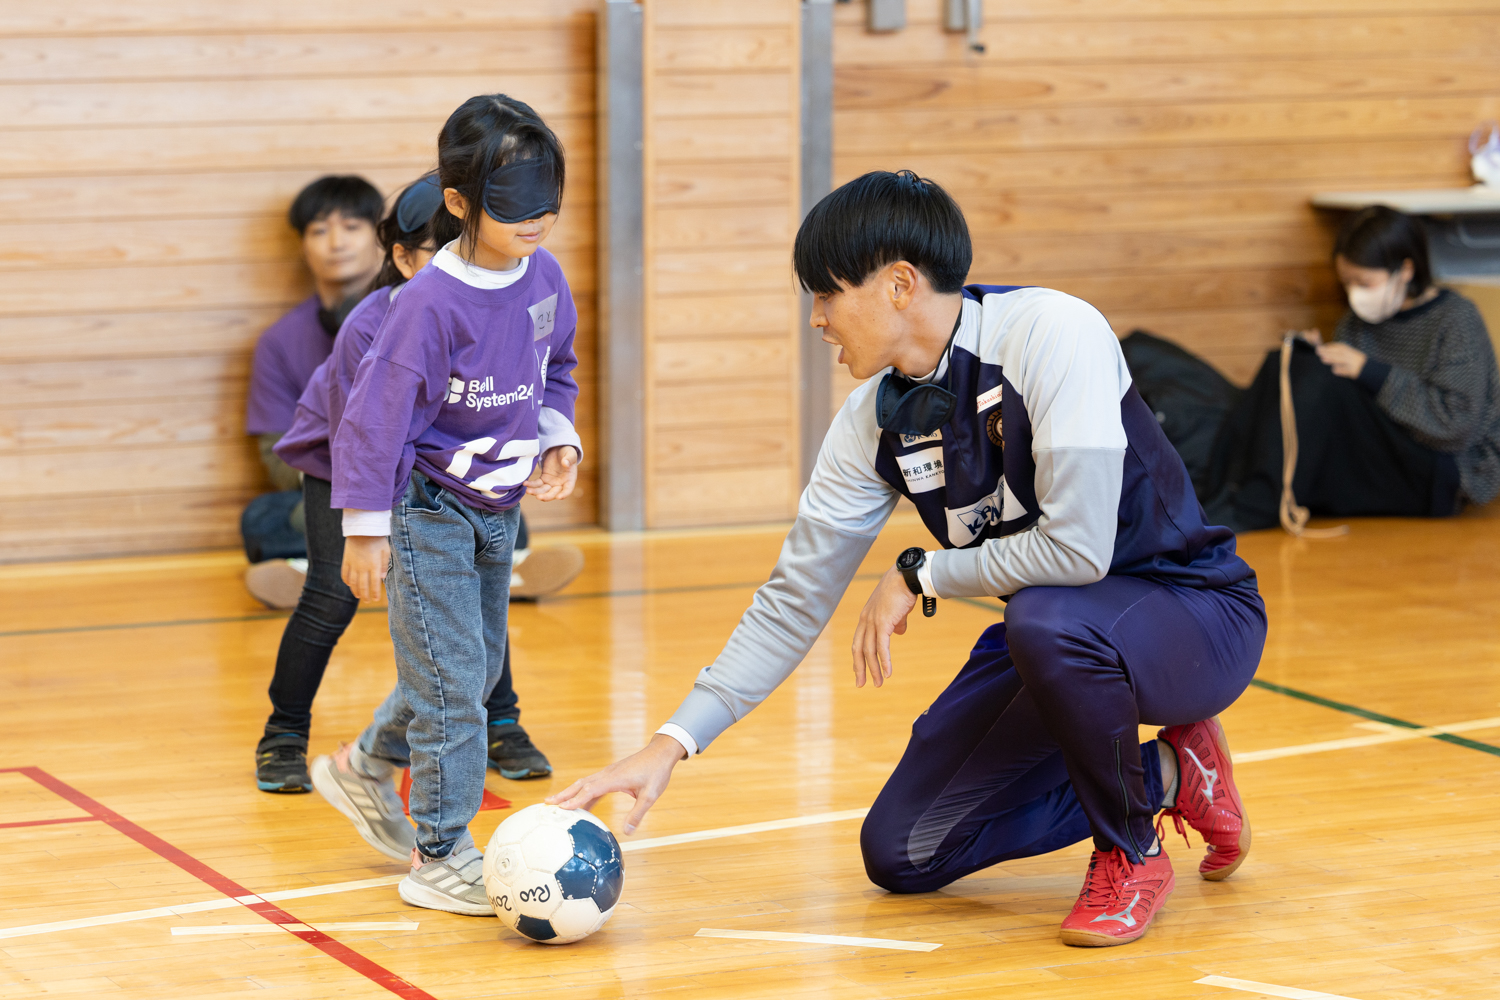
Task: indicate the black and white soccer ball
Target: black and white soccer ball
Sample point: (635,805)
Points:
(553,875)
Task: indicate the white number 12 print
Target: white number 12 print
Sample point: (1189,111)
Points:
(510,474)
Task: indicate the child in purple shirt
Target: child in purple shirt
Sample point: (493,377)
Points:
(411,233)
(325,605)
(463,404)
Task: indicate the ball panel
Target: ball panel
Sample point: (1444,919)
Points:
(503,863)
(537,930)
(576,878)
(576,919)
(608,882)
(546,848)
(533,894)
(594,843)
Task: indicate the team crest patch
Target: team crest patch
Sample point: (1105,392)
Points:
(995,429)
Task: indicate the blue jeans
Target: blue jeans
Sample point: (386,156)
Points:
(449,590)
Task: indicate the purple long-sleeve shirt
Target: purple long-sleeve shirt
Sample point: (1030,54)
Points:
(285,357)
(306,446)
(458,384)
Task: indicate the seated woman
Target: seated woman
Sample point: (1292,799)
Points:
(1398,416)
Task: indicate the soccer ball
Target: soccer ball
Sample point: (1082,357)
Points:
(553,875)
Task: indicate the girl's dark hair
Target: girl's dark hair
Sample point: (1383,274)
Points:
(349,195)
(436,232)
(876,220)
(1385,238)
(486,132)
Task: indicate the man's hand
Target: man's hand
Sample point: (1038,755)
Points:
(884,614)
(1313,335)
(1346,361)
(643,775)
(555,475)
(366,559)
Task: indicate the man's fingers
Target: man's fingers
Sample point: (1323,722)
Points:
(883,650)
(643,802)
(872,655)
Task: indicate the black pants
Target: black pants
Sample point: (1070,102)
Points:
(1353,460)
(323,613)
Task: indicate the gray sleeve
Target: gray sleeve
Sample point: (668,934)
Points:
(840,513)
(1072,543)
(785,618)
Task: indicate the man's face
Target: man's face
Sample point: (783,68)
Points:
(340,248)
(860,320)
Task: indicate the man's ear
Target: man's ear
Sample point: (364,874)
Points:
(903,281)
(458,205)
(1408,270)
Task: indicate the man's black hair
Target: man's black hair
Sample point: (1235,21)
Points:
(348,195)
(878,219)
(1385,238)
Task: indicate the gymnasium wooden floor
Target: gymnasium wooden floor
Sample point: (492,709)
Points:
(137,688)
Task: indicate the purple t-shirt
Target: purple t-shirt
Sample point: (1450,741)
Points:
(305,447)
(457,385)
(285,357)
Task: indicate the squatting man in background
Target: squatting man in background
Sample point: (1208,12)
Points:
(1008,417)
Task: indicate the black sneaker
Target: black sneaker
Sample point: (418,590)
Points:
(281,763)
(514,755)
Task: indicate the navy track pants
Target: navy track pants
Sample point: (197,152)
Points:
(1034,745)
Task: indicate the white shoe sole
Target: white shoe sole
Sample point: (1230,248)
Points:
(417,894)
(275,583)
(328,786)
(546,571)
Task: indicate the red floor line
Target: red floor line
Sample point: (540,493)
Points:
(50,822)
(270,911)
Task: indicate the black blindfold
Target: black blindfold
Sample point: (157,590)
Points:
(521,190)
(418,203)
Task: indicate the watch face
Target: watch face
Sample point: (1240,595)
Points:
(910,559)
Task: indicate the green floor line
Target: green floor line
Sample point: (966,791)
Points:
(1364,713)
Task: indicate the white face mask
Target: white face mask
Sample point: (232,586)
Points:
(1376,305)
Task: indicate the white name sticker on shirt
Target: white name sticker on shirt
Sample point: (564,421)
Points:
(987,399)
(923,470)
(967,522)
(907,440)
(544,316)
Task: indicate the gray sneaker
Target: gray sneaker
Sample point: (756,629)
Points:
(370,803)
(454,883)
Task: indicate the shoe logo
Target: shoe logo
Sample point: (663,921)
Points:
(1209,777)
(1124,916)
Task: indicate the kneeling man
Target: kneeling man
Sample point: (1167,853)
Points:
(1007,415)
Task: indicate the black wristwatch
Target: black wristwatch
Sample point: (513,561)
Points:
(908,563)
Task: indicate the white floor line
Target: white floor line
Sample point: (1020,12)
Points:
(220,903)
(1396,736)
(1269,989)
(738,831)
(834,939)
(269,928)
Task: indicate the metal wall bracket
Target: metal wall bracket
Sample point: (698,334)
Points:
(966,16)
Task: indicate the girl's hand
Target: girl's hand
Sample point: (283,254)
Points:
(556,474)
(884,614)
(366,560)
(1346,361)
(643,775)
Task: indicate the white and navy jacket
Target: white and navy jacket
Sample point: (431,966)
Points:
(1051,472)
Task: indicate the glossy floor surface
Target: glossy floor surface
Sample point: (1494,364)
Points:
(137,688)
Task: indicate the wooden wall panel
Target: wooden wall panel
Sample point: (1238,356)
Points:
(148,153)
(722,157)
(1156,156)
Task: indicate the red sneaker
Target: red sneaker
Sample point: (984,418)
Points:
(1118,900)
(1207,797)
